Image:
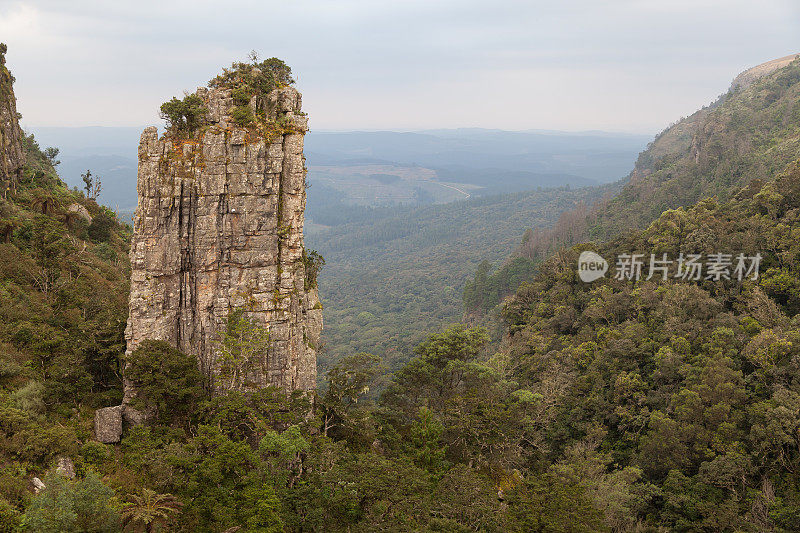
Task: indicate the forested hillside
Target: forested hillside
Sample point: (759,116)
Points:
(63,306)
(394,275)
(673,403)
(613,406)
(748,133)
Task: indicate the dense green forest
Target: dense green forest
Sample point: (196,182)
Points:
(618,405)
(674,403)
(394,275)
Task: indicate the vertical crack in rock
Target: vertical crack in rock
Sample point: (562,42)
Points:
(219,227)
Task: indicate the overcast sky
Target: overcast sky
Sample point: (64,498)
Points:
(402,64)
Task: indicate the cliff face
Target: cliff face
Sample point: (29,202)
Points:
(219,228)
(12,156)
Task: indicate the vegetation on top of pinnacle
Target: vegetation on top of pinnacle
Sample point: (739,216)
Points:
(259,77)
(749,133)
(246,81)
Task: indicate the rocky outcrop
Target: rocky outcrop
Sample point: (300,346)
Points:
(219,228)
(12,155)
(108,424)
(81,211)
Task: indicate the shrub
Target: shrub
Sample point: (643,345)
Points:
(64,505)
(243,344)
(313,263)
(95,453)
(100,228)
(30,398)
(167,380)
(242,115)
(185,115)
(9,517)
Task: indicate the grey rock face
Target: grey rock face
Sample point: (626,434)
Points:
(38,485)
(65,467)
(12,155)
(218,228)
(108,424)
(81,211)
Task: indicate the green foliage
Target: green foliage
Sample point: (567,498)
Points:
(487,289)
(84,505)
(30,397)
(671,402)
(184,116)
(9,517)
(313,263)
(100,230)
(95,453)
(149,510)
(242,115)
(243,347)
(542,504)
(167,381)
(255,77)
(225,485)
(408,266)
(342,404)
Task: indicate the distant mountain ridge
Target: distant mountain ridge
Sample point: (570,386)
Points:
(493,161)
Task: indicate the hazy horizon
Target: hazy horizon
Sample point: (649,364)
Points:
(622,66)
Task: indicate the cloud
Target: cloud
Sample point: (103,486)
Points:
(575,64)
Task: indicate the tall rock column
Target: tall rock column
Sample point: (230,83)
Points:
(219,228)
(12,155)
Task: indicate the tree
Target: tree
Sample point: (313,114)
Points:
(64,506)
(436,373)
(167,381)
(92,184)
(542,504)
(49,247)
(313,263)
(184,116)
(226,485)
(149,510)
(348,381)
(244,343)
(51,153)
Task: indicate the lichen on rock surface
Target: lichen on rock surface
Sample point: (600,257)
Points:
(219,228)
